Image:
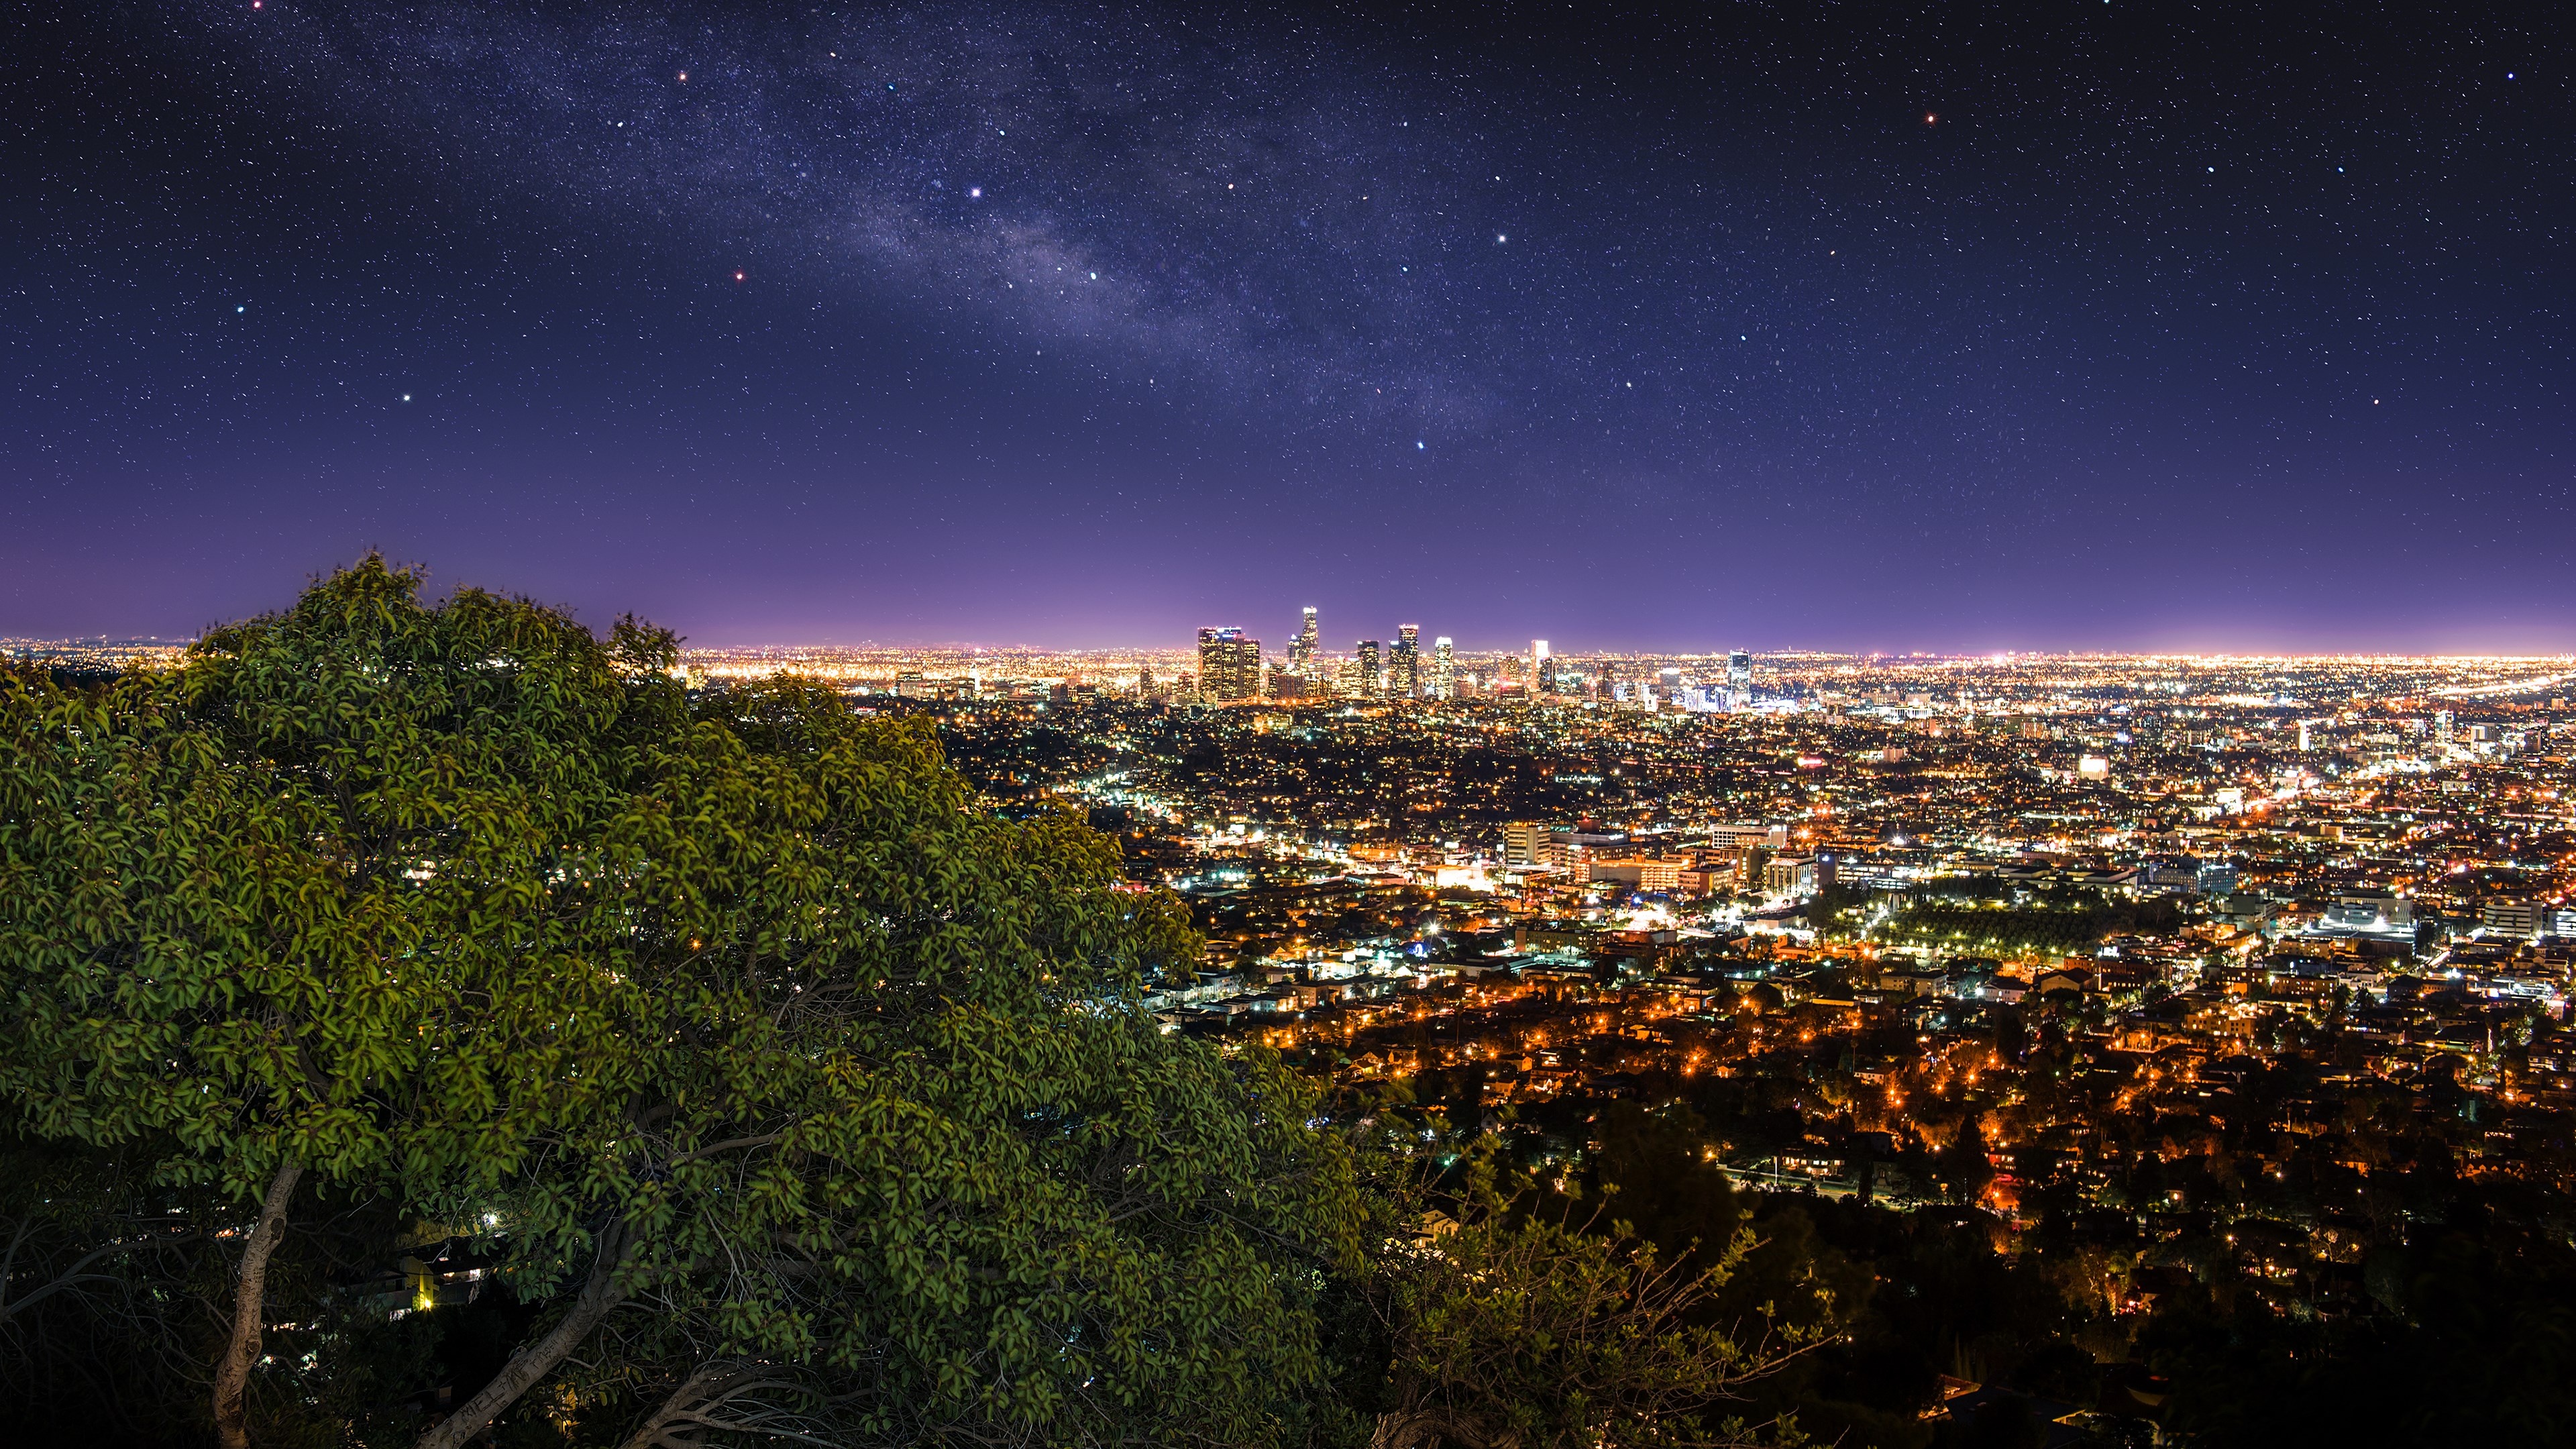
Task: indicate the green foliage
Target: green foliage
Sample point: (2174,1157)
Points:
(893,1116)
(272,905)
(1838,910)
(1995,928)
(756,1055)
(1968,913)
(1521,1328)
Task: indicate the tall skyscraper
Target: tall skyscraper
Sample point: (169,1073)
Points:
(1404,669)
(1739,669)
(1229,666)
(1542,671)
(1301,655)
(1371,671)
(1444,670)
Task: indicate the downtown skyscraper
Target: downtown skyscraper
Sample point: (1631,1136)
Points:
(1301,653)
(1229,666)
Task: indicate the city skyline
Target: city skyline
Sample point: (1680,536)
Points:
(1181,646)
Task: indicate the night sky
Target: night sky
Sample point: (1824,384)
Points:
(1872,327)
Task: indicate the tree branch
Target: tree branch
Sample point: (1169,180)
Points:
(599,1295)
(250,1304)
(728,1145)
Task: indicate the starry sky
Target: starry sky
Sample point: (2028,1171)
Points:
(1932,326)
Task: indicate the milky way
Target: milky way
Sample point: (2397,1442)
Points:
(1889,328)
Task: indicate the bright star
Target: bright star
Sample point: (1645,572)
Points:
(1498,236)
(406,397)
(975,192)
(1419,445)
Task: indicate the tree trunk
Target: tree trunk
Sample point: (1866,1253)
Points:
(531,1364)
(250,1303)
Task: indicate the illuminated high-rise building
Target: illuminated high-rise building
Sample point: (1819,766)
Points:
(1404,667)
(1301,655)
(1542,670)
(1739,670)
(1229,666)
(1444,669)
(1372,671)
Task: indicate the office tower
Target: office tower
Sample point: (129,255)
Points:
(2307,741)
(1542,677)
(1404,668)
(1739,670)
(1444,669)
(1229,666)
(1372,674)
(1144,680)
(1523,842)
(1301,655)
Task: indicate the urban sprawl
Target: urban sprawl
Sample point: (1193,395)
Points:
(2174,976)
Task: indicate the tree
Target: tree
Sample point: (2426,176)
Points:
(1963,1167)
(288,907)
(1532,1331)
(905,1154)
(793,1091)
